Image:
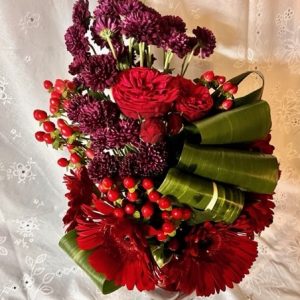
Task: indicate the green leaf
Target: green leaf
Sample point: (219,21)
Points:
(69,245)
(224,202)
(242,124)
(252,171)
(200,216)
(159,256)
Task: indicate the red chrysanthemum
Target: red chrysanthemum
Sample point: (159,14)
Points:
(80,192)
(119,247)
(215,257)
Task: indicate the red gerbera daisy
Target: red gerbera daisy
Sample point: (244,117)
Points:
(215,257)
(119,248)
(259,210)
(80,191)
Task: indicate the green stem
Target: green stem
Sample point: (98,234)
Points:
(149,60)
(187,60)
(169,56)
(108,39)
(183,64)
(142,53)
(93,49)
(131,41)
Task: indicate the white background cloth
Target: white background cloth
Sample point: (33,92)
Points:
(253,34)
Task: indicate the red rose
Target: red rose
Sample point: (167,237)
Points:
(144,92)
(174,124)
(194,100)
(153,130)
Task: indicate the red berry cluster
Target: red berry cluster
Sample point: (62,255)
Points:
(140,200)
(225,88)
(61,135)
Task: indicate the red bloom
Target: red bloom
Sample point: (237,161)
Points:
(214,257)
(153,130)
(174,124)
(258,208)
(119,248)
(144,92)
(263,145)
(194,101)
(80,191)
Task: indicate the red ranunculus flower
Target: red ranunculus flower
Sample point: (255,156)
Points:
(119,247)
(194,100)
(144,92)
(215,257)
(153,130)
(80,192)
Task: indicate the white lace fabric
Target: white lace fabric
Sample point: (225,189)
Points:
(251,35)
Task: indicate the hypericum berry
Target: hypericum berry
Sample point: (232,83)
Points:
(48,84)
(63,162)
(54,102)
(61,123)
(49,126)
(226,104)
(176,213)
(71,85)
(186,214)
(107,182)
(165,215)
(132,197)
(75,158)
(129,182)
(168,227)
(59,85)
(147,210)
(70,147)
(53,109)
(102,188)
(233,90)
(66,104)
(154,196)
(48,139)
(39,115)
(75,128)
(173,244)
(39,135)
(220,79)
(164,203)
(161,236)
(129,209)
(66,131)
(90,153)
(113,195)
(208,76)
(118,212)
(227,86)
(55,94)
(147,184)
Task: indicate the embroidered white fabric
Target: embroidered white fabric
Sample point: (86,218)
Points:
(252,35)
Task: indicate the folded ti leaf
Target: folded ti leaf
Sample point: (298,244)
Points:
(242,124)
(225,203)
(254,172)
(69,245)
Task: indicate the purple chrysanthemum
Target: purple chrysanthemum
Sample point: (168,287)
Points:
(107,23)
(107,138)
(173,23)
(206,40)
(97,114)
(103,165)
(127,165)
(77,64)
(143,25)
(75,105)
(76,41)
(151,159)
(100,72)
(81,14)
(125,7)
(105,7)
(177,42)
(130,130)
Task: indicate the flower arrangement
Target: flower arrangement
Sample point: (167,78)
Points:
(170,178)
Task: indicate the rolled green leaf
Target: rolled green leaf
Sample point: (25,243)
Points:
(242,124)
(69,245)
(225,203)
(254,172)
